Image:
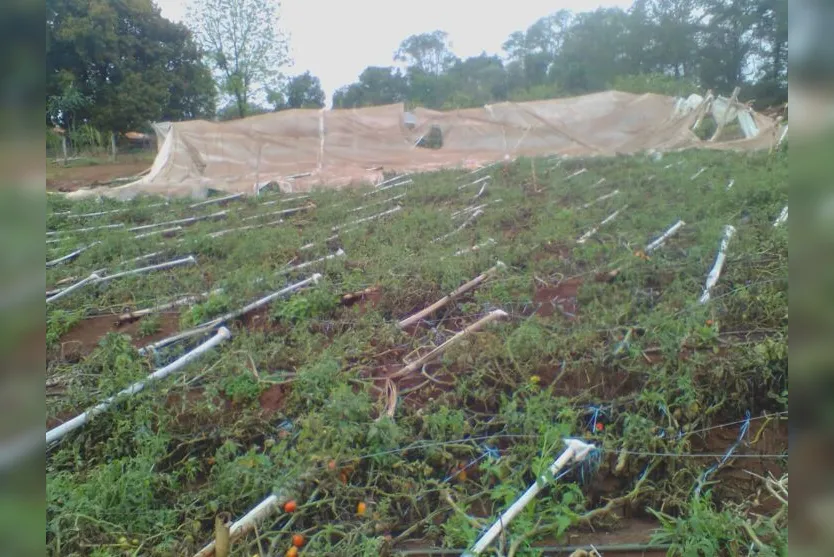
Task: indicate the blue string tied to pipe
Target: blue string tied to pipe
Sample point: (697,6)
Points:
(742,433)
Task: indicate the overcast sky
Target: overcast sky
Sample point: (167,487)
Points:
(336,39)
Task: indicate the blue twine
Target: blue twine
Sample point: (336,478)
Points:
(742,433)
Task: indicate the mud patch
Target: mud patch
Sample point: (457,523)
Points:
(86,335)
(561,299)
(272,400)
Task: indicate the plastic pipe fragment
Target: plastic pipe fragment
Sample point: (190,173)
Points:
(601,198)
(223,199)
(290,211)
(480,169)
(577,451)
(189,220)
(466,223)
(452,296)
(57,433)
(599,183)
(287,200)
(214,323)
(366,219)
(90,215)
(95,278)
(731,184)
(476,182)
(69,256)
(782,218)
(383,202)
(577,173)
(665,236)
(477,247)
(129,316)
(391,179)
(167,232)
(715,273)
(694,176)
(300,266)
(88,229)
(388,187)
(471,209)
(473,328)
(241,228)
(585,237)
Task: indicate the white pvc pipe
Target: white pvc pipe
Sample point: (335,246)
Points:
(584,238)
(697,174)
(209,325)
(599,183)
(366,219)
(89,229)
(56,433)
(477,247)
(163,232)
(782,218)
(665,236)
(394,185)
(478,181)
(189,220)
(240,228)
(95,278)
(471,209)
(782,137)
(300,266)
(480,169)
(577,173)
(577,451)
(80,284)
(445,300)
(715,273)
(216,200)
(392,179)
(170,305)
(466,223)
(69,256)
(731,184)
(100,213)
(279,213)
(383,202)
(274,201)
(473,328)
(601,198)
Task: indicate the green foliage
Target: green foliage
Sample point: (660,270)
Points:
(214,306)
(702,531)
(245,49)
(654,83)
(150,326)
(316,302)
(119,65)
(58,323)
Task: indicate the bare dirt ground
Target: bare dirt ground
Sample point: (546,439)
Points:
(87,172)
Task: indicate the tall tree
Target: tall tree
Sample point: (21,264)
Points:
(243,45)
(429,53)
(304,91)
(376,86)
(119,65)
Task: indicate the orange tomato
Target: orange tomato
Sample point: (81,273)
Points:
(332,465)
(291,552)
(361,508)
(298,540)
(290,506)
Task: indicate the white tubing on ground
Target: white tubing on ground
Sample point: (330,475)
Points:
(214,323)
(477,247)
(577,451)
(57,433)
(473,328)
(452,296)
(782,218)
(665,236)
(386,188)
(366,219)
(95,278)
(290,211)
(189,220)
(715,273)
(69,256)
(163,232)
(476,182)
(577,173)
(585,237)
(466,223)
(383,202)
(339,253)
(216,200)
(89,229)
(601,198)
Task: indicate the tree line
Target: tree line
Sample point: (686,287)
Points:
(118,65)
(664,46)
